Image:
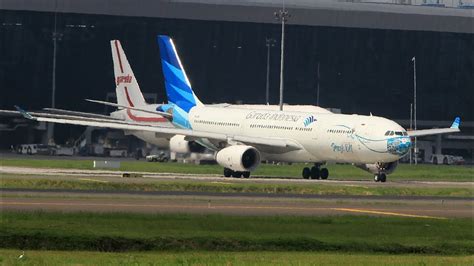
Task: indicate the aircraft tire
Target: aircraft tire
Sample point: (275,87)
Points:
(236,174)
(324,173)
(306,173)
(227,172)
(315,172)
(246,174)
(383,177)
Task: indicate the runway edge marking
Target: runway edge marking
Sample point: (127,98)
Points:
(389,213)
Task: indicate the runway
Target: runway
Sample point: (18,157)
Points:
(232,203)
(110,176)
(237,204)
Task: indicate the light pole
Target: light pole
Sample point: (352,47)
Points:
(282,15)
(317,88)
(411,127)
(55,37)
(414,105)
(269,42)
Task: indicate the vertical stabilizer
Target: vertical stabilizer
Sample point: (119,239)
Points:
(127,88)
(178,87)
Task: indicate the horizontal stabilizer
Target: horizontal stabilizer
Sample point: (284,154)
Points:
(24,113)
(168,115)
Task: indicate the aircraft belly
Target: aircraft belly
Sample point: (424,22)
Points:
(150,137)
(290,157)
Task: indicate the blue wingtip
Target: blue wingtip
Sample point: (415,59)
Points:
(24,113)
(456,123)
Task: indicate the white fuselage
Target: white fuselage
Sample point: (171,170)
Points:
(163,142)
(325,137)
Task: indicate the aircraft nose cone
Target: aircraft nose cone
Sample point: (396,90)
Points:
(399,146)
(404,145)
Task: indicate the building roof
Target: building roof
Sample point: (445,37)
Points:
(337,13)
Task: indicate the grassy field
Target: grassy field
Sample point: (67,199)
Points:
(39,182)
(403,172)
(179,232)
(10,257)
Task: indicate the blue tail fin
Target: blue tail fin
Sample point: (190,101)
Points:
(178,87)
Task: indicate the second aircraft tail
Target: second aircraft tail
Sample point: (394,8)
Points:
(127,88)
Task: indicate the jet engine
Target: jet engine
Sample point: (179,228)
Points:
(180,145)
(239,158)
(376,168)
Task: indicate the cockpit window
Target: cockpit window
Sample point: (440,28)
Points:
(391,133)
(405,133)
(387,133)
(398,133)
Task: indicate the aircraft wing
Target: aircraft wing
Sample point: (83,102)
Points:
(279,143)
(435,131)
(76,113)
(58,113)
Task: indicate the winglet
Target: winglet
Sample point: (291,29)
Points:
(456,123)
(24,113)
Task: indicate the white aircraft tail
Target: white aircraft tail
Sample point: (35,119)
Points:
(127,88)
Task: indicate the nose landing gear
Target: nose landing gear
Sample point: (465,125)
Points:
(381,177)
(315,172)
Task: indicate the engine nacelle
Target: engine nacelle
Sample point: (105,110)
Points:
(376,168)
(239,158)
(180,145)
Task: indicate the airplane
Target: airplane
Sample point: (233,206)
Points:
(243,137)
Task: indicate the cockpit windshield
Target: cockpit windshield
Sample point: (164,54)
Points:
(397,133)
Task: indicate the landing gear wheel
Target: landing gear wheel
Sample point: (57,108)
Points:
(246,174)
(315,172)
(324,173)
(227,172)
(383,178)
(236,174)
(306,173)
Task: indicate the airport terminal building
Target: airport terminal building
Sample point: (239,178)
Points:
(358,53)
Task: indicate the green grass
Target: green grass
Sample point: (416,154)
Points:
(34,257)
(179,232)
(38,182)
(403,172)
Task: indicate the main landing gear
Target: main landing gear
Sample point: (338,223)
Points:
(380,177)
(315,172)
(237,174)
